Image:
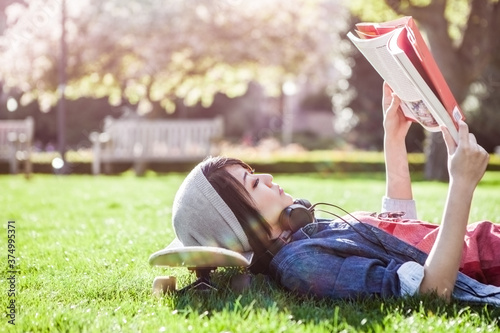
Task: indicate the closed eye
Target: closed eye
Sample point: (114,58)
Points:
(256,183)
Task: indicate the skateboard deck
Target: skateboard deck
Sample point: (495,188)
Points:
(201,259)
(198,257)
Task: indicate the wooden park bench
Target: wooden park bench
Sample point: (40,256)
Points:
(142,141)
(16,141)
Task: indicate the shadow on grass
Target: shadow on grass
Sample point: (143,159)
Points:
(372,314)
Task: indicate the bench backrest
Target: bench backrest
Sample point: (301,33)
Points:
(161,138)
(15,135)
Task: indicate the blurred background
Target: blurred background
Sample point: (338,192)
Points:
(279,73)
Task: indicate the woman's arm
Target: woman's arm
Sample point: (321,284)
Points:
(467,163)
(396,126)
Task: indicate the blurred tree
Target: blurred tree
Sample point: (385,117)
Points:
(483,105)
(151,51)
(366,85)
(365,131)
(462,35)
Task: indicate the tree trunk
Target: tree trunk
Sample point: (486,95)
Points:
(461,65)
(436,158)
(446,57)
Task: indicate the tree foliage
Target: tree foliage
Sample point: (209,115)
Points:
(152,51)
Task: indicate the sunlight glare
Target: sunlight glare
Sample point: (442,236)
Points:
(12,104)
(57,163)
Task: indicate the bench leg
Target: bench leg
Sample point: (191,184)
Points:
(13,166)
(96,152)
(96,166)
(28,164)
(108,169)
(12,157)
(140,168)
(13,163)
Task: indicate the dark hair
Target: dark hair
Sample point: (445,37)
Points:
(239,201)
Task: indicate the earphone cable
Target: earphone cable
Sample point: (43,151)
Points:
(378,242)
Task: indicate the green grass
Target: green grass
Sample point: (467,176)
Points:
(263,156)
(82,245)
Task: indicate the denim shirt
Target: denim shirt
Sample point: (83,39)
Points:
(341,260)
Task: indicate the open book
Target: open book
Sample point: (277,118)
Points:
(398,52)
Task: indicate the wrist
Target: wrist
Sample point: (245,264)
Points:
(394,139)
(461,186)
(395,150)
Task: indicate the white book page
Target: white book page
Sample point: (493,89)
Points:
(376,52)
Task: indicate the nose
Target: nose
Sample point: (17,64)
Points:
(267,179)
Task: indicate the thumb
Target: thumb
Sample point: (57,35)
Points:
(388,97)
(451,146)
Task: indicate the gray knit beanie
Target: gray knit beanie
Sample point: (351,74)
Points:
(201,218)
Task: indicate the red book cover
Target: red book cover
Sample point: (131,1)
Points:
(432,71)
(411,41)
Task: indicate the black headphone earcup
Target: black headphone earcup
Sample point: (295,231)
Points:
(296,216)
(292,218)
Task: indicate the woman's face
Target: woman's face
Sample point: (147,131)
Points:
(269,197)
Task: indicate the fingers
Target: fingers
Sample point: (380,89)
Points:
(386,96)
(387,88)
(467,144)
(463,133)
(395,102)
(468,140)
(451,146)
(464,137)
(472,139)
(390,100)
(396,125)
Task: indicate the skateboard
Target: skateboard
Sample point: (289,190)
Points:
(202,260)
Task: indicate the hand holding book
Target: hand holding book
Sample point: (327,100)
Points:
(396,124)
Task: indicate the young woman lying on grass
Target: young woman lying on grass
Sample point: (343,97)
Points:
(223,203)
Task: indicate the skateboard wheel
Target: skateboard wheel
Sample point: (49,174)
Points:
(240,283)
(163,284)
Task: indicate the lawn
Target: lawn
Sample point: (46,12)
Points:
(82,244)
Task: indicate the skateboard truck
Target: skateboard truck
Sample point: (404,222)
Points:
(203,281)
